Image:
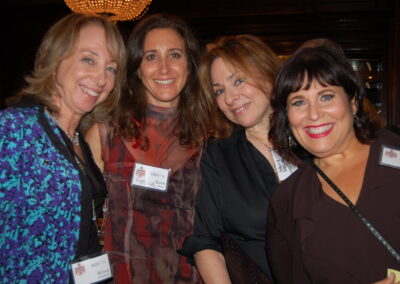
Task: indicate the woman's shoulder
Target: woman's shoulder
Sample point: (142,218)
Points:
(18,129)
(216,144)
(18,117)
(220,149)
(388,137)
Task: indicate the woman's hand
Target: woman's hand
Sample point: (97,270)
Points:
(389,280)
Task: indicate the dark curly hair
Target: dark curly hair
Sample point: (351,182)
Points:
(192,110)
(327,66)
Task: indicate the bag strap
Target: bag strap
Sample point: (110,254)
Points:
(355,210)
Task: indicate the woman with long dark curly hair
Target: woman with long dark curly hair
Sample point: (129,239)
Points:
(150,153)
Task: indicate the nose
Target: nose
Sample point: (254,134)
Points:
(314,111)
(231,95)
(164,65)
(101,77)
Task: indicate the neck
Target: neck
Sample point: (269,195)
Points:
(258,136)
(69,125)
(260,131)
(70,130)
(353,152)
(67,118)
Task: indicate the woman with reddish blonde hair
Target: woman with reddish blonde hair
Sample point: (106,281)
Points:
(239,167)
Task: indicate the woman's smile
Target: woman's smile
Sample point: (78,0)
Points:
(319,131)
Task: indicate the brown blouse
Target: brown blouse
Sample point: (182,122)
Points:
(315,239)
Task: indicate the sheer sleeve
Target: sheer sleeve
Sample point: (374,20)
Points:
(208,220)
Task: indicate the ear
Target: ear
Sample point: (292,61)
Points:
(268,88)
(354,107)
(139,74)
(269,85)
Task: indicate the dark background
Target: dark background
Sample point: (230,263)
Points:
(368,31)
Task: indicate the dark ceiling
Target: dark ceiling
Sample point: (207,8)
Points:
(365,28)
(357,24)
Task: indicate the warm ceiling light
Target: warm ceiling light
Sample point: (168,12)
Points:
(116,10)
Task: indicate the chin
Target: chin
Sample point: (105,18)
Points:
(321,153)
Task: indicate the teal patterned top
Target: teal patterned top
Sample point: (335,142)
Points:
(39,200)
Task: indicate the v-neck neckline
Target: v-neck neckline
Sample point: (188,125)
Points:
(364,184)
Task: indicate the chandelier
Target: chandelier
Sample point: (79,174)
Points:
(115,10)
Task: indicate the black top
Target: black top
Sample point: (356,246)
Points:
(92,182)
(237,183)
(93,193)
(312,238)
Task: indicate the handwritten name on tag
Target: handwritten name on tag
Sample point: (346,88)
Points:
(92,270)
(284,168)
(150,177)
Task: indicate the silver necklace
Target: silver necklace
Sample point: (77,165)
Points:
(75,139)
(269,148)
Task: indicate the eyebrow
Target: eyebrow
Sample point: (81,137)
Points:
(227,78)
(328,89)
(171,49)
(96,54)
(90,51)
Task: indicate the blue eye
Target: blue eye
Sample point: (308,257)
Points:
(111,69)
(88,60)
(297,103)
(327,97)
(238,81)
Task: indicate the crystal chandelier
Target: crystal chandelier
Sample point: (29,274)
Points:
(116,10)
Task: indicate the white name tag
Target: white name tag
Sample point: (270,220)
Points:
(284,169)
(150,177)
(92,270)
(390,157)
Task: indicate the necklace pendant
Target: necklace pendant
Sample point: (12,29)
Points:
(74,140)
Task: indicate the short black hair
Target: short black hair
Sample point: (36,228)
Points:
(327,66)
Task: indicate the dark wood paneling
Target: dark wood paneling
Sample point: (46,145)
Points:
(366,29)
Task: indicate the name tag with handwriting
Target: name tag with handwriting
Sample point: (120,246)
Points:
(284,168)
(91,270)
(149,177)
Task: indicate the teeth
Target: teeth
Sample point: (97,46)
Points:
(164,82)
(240,109)
(90,92)
(319,130)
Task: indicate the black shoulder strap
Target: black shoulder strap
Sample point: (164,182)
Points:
(355,210)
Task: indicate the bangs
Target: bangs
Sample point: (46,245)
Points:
(304,70)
